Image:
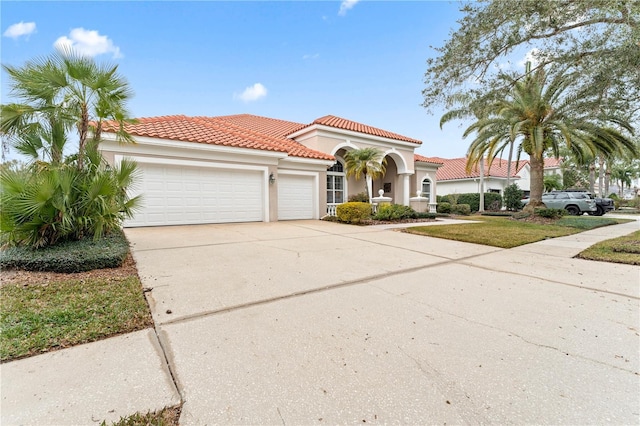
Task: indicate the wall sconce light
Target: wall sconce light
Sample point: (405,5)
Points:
(272,178)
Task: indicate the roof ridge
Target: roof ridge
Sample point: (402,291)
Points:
(258,137)
(346,124)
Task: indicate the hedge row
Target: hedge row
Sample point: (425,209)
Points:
(492,200)
(71,256)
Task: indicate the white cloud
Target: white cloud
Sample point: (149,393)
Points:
(20,29)
(88,42)
(314,56)
(531,56)
(346,5)
(252,93)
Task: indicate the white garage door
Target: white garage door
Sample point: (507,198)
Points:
(296,197)
(180,195)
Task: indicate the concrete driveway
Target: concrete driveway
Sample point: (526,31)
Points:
(312,322)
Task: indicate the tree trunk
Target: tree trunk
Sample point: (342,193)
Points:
(83,128)
(607,179)
(368,186)
(601,176)
(592,178)
(509,163)
(537,183)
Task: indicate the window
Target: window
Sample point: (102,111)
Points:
(335,184)
(426,188)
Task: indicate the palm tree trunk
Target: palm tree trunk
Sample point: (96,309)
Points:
(537,183)
(83,128)
(509,163)
(601,176)
(592,177)
(368,186)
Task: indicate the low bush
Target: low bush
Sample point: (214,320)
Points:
(550,213)
(395,212)
(473,200)
(497,213)
(362,197)
(86,254)
(513,197)
(353,212)
(462,209)
(426,215)
(443,207)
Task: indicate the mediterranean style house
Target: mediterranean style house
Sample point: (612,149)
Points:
(247,168)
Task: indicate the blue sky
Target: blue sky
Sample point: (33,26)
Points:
(296,61)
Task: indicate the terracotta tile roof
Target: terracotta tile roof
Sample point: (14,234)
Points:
(422,159)
(552,162)
(341,123)
(223,131)
(454,168)
(265,125)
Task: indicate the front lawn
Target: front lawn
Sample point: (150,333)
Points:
(618,250)
(508,233)
(43,311)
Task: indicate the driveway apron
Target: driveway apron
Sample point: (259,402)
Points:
(310,322)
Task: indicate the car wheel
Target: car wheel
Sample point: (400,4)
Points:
(599,212)
(573,210)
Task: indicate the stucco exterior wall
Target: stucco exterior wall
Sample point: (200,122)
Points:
(463,186)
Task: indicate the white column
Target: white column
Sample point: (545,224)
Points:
(405,189)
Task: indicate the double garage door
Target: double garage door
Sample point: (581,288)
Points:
(181,195)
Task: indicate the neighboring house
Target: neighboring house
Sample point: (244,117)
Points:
(245,168)
(453,179)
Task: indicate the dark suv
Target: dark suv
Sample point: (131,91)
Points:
(603,205)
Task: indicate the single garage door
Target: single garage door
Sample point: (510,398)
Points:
(296,197)
(181,195)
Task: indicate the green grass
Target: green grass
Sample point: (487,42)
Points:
(508,233)
(40,317)
(166,417)
(618,250)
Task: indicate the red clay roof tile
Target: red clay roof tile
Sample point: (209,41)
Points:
(454,168)
(342,123)
(245,131)
(422,159)
(236,131)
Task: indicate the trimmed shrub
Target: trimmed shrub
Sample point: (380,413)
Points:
(395,212)
(86,254)
(513,197)
(462,209)
(497,213)
(472,199)
(353,212)
(362,197)
(443,207)
(426,215)
(550,213)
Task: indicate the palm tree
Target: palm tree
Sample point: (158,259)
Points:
(55,198)
(542,117)
(367,162)
(60,92)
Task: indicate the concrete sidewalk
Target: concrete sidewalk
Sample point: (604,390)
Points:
(87,384)
(315,322)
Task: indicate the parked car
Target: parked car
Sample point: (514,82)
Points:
(603,205)
(575,203)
